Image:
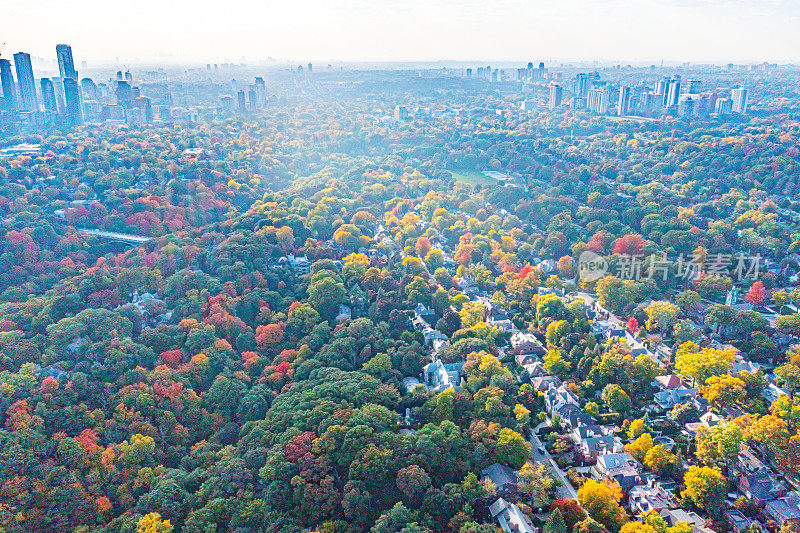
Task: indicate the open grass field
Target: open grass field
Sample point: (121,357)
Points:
(472,177)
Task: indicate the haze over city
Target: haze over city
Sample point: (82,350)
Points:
(412,30)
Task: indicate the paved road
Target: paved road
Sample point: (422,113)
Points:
(565,490)
(117,236)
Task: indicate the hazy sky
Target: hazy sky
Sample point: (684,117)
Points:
(399,30)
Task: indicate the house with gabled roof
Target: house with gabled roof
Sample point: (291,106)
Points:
(621,467)
(510,518)
(784,510)
(439,376)
(668,382)
(504,479)
(649,497)
(557,397)
(607,329)
(755,479)
(590,448)
(737,521)
(674,516)
(666,399)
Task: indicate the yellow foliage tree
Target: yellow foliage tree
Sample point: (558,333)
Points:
(640,446)
(152,523)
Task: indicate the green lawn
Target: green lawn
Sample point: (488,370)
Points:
(473,177)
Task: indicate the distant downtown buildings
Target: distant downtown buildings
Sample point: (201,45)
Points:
(66,66)
(57,94)
(67,95)
(77,99)
(669,94)
(27,85)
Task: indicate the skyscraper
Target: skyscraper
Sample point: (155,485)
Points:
(73,96)
(48,95)
(7,83)
(646,101)
(739,99)
(598,100)
(242,102)
(674,91)
(89,88)
(695,86)
(581,87)
(146,107)
(556,93)
(58,86)
(539,74)
(624,99)
(27,87)
(124,94)
(65,63)
(723,106)
(661,89)
(261,91)
(687,105)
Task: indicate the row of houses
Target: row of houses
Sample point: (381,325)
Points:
(753,479)
(436,375)
(598,445)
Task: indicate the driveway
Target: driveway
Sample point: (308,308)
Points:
(565,490)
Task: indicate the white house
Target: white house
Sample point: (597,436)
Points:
(439,376)
(510,518)
(557,397)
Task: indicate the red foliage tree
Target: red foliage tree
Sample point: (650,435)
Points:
(423,246)
(48,385)
(524,271)
(299,445)
(103,503)
(633,324)
(463,254)
(571,510)
(248,358)
(597,243)
(171,358)
(756,293)
(269,335)
(630,244)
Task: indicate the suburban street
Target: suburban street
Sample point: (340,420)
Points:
(565,490)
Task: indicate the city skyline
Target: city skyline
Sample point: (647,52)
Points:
(718,31)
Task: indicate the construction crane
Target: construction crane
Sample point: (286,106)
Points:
(2,47)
